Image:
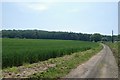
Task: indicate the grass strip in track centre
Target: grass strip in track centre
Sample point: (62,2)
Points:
(64,65)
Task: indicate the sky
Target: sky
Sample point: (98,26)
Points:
(83,17)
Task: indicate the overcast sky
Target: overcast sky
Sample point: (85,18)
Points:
(85,17)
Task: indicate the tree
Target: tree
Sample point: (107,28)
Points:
(96,37)
(104,39)
(40,34)
(119,37)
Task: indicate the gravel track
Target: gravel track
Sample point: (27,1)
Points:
(102,65)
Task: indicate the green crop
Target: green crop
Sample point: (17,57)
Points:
(16,52)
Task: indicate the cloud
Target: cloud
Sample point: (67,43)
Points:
(75,10)
(38,6)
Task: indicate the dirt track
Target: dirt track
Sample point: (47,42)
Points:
(102,65)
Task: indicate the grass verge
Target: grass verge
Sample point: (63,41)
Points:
(66,63)
(115,47)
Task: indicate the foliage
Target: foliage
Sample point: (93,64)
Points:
(39,34)
(96,37)
(119,37)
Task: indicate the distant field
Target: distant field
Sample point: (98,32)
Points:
(16,52)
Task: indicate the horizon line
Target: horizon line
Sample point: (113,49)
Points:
(62,31)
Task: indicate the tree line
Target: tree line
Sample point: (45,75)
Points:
(40,34)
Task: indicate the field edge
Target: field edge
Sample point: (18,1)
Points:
(61,70)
